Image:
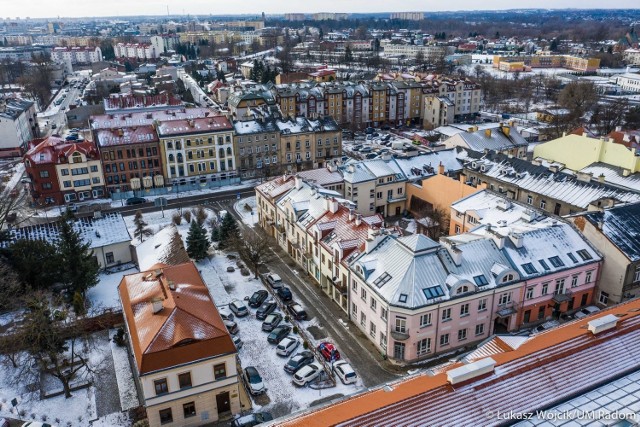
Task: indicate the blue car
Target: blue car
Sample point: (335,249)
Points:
(285,294)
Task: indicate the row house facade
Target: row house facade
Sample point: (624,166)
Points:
(61,171)
(308,143)
(257,148)
(76,55)
(141,51)
(197,150)
(131,158)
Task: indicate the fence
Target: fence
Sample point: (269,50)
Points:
(177,190)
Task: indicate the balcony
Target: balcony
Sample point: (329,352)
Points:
(562,297)
(506,310)
(400,336)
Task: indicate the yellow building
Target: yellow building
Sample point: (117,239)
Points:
(199,150)
(577,152)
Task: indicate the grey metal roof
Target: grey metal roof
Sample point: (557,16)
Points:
(621,225)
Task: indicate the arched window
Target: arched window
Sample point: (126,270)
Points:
(221,152)
(180,157)
(228,151)
(463,289)
(507,278)
(178,145)
(171,157)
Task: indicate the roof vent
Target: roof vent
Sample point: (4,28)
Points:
(172,285)
(470,371)
(602,324)
(157,305)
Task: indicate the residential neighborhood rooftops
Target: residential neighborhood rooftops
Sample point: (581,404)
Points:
(57,150)
(126,135)
(172,318)
(13,107)
(146,118)
(545,362)
(195,125)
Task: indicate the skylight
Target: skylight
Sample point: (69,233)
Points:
(403,298)
(544,264)
(584,255)
(572,257)
(480,280)
(556,261)
(384,278)
(433,292)
(529,268)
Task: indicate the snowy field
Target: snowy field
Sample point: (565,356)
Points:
(249,217)
(105,294)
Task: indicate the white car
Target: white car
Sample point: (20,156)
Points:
(274,280)
(237,341)
(287,345)
(238,308)
(254,381)
(345,372)
(587,311)
(225,313)
(306,374)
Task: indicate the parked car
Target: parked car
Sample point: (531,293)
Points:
(296,311)
(587,311)
(278,334)
(237,341)
(136,201)
(345,372)
(225,313)
(286,346)
(328,351)
(238,308)
(231,326)
(545,326)
(258,298)
(285,294)
(306,374)
(254,381)
(252,420)
(274,280)
(271,321)
(266,309)
(4,422)
(298,361)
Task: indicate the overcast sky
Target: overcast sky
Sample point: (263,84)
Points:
(80,8)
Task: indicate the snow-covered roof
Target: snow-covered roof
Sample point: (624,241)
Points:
(164,247)
(494,209)
(489,139)
(109,229)
(614,175)
(621,226)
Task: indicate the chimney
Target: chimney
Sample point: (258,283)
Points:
(604,323)
(156,305)
(373,238)
(618,128)
(470,371)
(298,182)
(352,215)
(528,215)
(470,130)
(601,178)
(506,130)
(358,220)
(497,238)
(456,254)
(332,205)
(487,133)
(332,167)
(584,176)
(626,172)
(516,239)
(475,128)
(441,169)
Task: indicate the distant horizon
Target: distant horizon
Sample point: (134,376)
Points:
(78,9)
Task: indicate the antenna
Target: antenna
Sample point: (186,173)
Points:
(167,10)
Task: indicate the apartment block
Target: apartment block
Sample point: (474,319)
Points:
(18,126)
(308,143)
(76,55)
(407,16)
(257,148)
(569,62)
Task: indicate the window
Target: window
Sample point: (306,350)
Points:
(189,409)
(504,298)
(482,304)
(529,268)
(529,199)
(184,380)
(424,346)
(587,277)
(425,320)
(161,386)
(354,308)
(480,329)
(480,280)
(636,274)
(363,294)
(401,324)
(543,204)
(363,319)
(586,256)
(446,314)
(47,185)
(507,278)
(464,310)
(383,340)
(556,261)
(572,257)
(372,329)
(384,278)
(403,298)
(109,257)
(444,340)
(354,285)
(529,294)
(65,172)
(44,174)
(374,304)
(462,334)
(603,298)
(220,371)
(545,288)
(166,416)
(574,281)
(559,287)
(384,313)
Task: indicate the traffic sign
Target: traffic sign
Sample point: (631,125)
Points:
(160,202)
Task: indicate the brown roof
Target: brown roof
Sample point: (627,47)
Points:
(196,125)
(57,150)
(188,327)
(542,372)
(126,135)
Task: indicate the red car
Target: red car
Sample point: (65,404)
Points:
(329,351)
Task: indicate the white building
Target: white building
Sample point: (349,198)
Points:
(628,82)
(632,56)
(408,16)
(151,50)
(17,126)
(77,55)
(411,50)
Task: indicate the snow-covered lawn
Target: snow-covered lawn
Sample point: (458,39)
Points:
(105,293)
(246,208)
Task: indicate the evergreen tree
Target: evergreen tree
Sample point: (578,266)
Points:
(197,242)
(140,231)
(221,77)
(36,262)
(348,55)
(229,233)
(215,234)
(79,266)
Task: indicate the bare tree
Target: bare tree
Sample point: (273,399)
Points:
(435,223)
(141,230)
(255,249)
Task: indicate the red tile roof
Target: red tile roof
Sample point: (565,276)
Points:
(121,102)
(540,373)
(56,150)
(346,229)
(126,135)
(187,328)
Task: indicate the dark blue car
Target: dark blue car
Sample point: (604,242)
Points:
(285,294)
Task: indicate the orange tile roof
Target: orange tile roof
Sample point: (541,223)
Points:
(187,328)
(540,373)
(346,230)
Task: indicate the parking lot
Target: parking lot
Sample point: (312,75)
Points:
(281,396)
